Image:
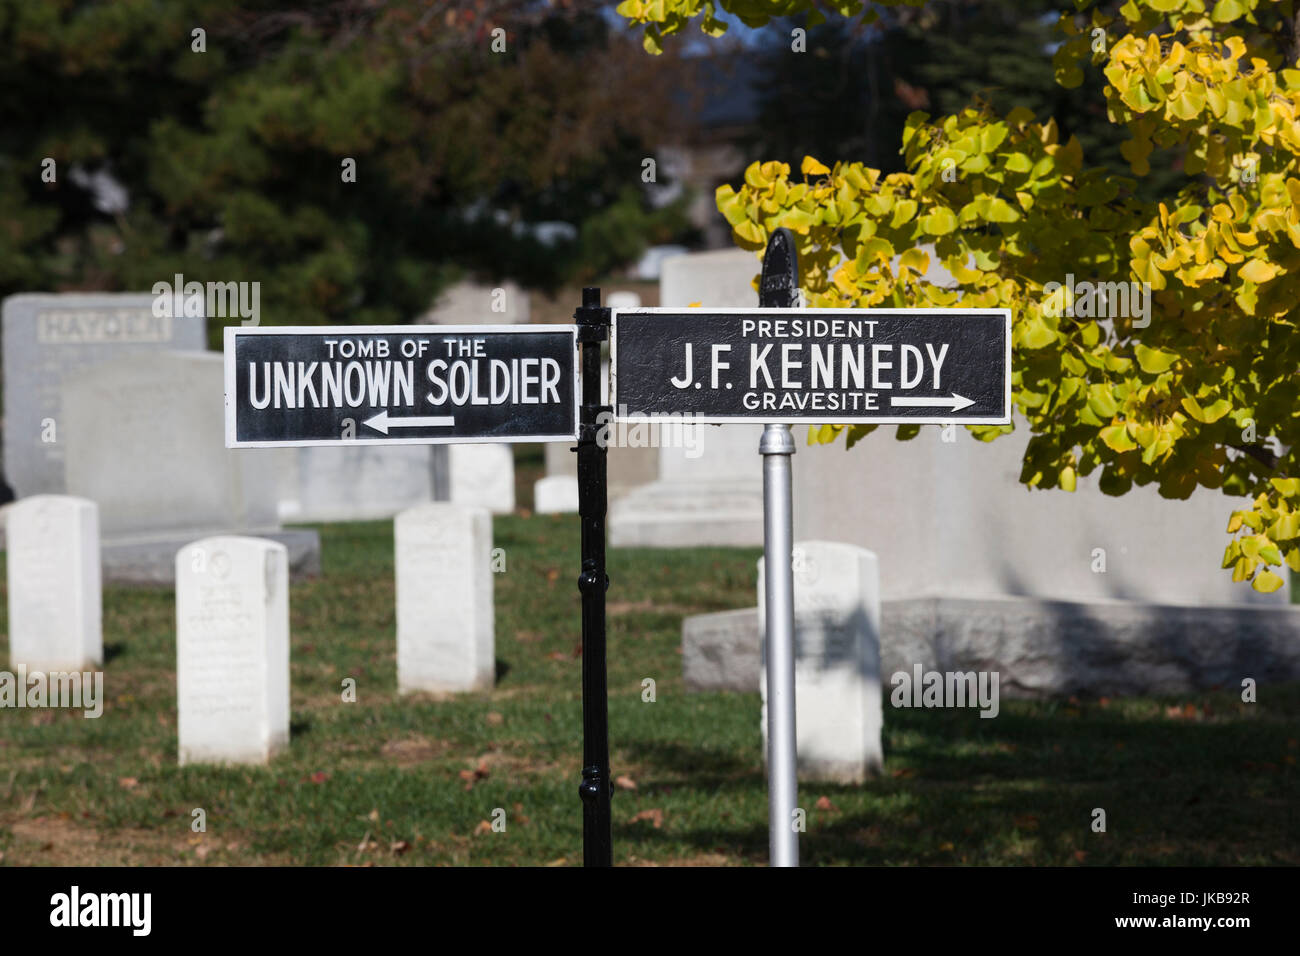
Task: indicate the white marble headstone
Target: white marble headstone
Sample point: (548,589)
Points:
(471,303)
(358,482)
(50,338)
(837,661)
(54,584)
(146,441)
(623,300)
(555,493)
(949,517)
(482,476)
(232,650)
(708,488)
(445,622)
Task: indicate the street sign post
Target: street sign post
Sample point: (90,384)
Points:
(781,365)
(372,385)
(400,384)
(777,289)
(840,366)
(597,787)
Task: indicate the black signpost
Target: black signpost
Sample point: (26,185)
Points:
(368,385)
(332,385)
(597,785)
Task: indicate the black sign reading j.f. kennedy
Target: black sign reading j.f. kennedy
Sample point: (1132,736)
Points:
(400,384)
(813,365)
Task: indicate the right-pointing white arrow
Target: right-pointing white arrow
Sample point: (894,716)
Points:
(954,402)
(381,422)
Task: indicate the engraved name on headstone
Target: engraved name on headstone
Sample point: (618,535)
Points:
(51,338)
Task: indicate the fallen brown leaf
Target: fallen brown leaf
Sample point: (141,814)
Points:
(655,816)
(625,783)
(472,777)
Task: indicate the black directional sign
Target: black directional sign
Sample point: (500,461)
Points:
(400,384)
(813,365)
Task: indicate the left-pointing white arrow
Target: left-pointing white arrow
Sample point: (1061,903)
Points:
(381,422)
(954,402)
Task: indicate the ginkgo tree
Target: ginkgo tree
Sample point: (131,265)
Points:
(1201,391)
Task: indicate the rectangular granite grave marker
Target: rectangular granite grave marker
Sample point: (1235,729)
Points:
(49,338)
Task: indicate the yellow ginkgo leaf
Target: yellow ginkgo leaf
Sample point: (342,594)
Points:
(811,167)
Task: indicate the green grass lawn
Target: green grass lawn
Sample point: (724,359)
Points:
(1199,780)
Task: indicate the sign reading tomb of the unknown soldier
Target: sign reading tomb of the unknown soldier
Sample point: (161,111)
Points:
(813,365)
(400,384)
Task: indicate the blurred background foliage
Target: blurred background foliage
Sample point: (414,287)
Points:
(226,164)
(848,98)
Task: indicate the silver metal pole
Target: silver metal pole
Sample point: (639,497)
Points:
(776,447)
